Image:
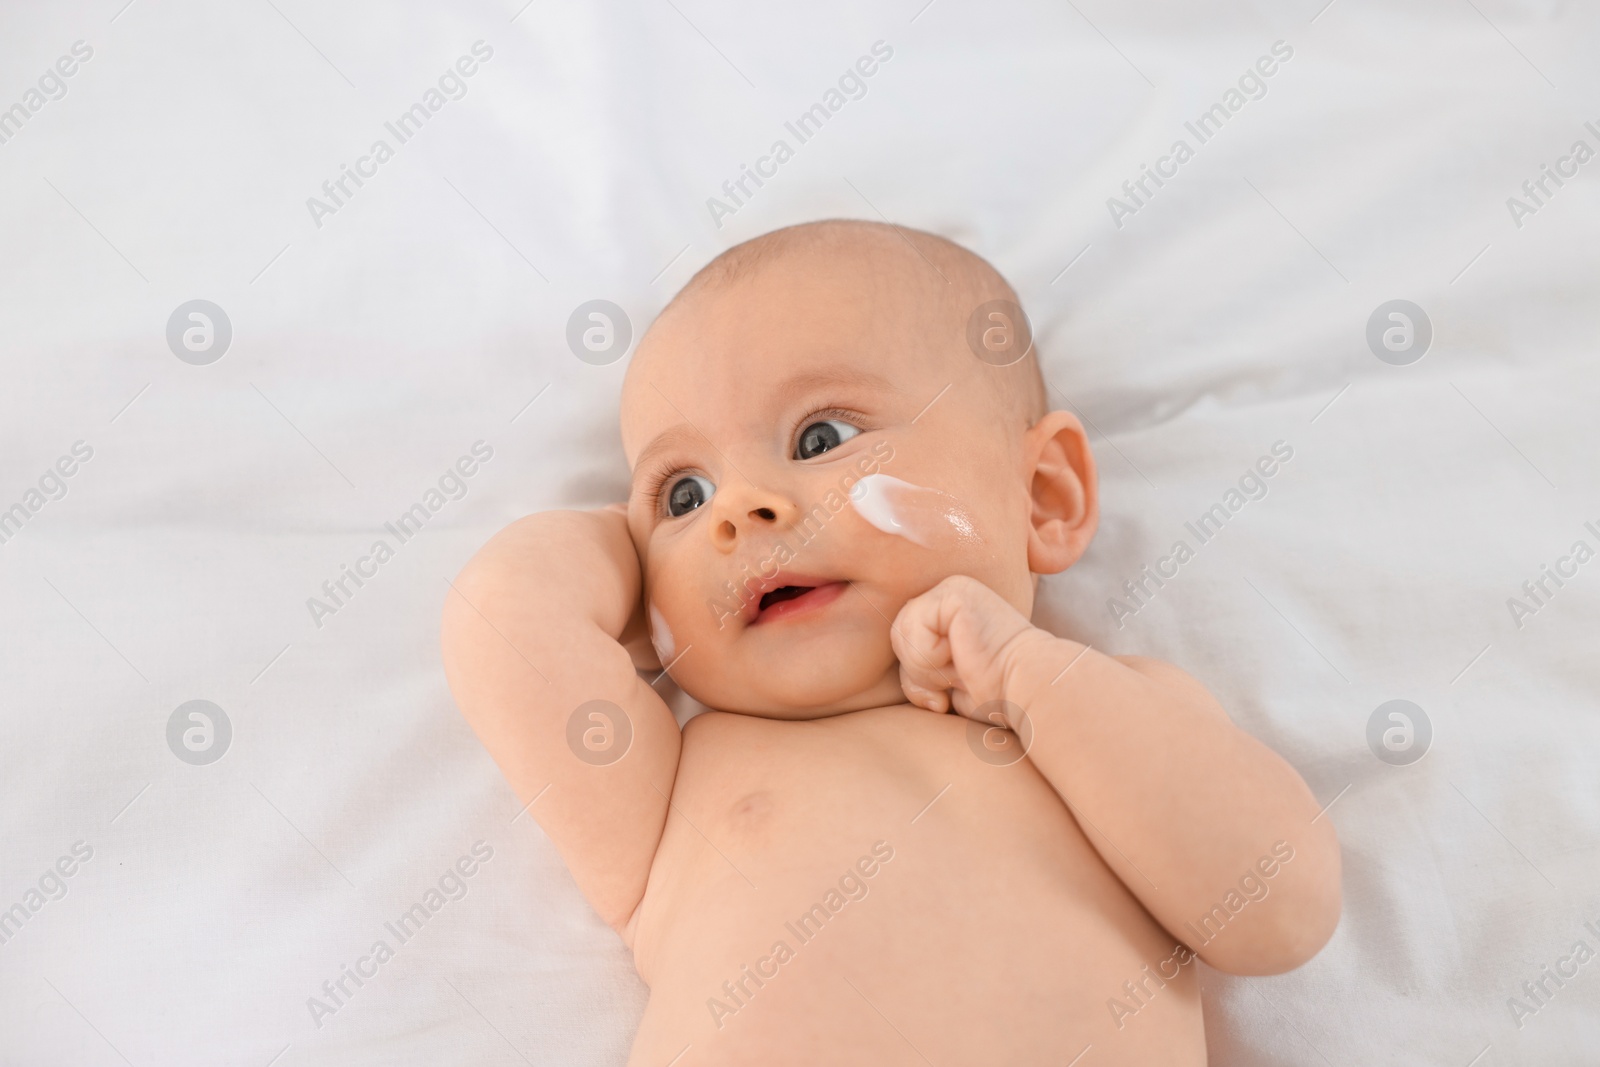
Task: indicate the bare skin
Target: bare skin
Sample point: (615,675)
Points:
(852,860)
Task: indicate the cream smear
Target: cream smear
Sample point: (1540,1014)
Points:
(660,636)
(922,516)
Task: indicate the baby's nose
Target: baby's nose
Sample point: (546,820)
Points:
(753,510)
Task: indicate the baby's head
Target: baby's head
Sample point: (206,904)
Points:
(814,441)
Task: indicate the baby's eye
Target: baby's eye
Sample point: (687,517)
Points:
(688,493)
(819,437)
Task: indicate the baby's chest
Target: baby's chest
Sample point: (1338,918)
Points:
(783,793)
(765,817)
(921,854)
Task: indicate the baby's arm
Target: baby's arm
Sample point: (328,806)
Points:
(533,627)
(1179,802)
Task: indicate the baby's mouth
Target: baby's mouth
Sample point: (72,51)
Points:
(788,592)
(789,600)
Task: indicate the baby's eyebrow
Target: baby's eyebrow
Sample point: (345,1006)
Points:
(665,441)
(812,380)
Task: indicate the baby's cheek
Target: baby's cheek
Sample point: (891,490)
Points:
(924,516)
(684,612)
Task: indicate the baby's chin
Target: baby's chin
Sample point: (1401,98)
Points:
(815,694)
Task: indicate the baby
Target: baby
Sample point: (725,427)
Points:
(916,829)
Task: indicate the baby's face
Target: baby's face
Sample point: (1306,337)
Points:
(812,446)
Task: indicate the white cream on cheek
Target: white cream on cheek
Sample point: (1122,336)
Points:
(922,516)
(660,636)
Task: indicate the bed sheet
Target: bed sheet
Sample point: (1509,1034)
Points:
(365,343)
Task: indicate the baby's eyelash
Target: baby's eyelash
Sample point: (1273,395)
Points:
(658,478)
(854,418)
(655,480)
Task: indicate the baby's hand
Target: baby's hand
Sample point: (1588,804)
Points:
(960,641)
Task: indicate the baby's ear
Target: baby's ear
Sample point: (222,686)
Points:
(1064,492)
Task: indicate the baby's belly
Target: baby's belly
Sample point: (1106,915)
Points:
(867,889)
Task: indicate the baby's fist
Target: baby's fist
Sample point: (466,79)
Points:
(957,643)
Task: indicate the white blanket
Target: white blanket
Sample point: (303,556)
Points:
(381,329)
